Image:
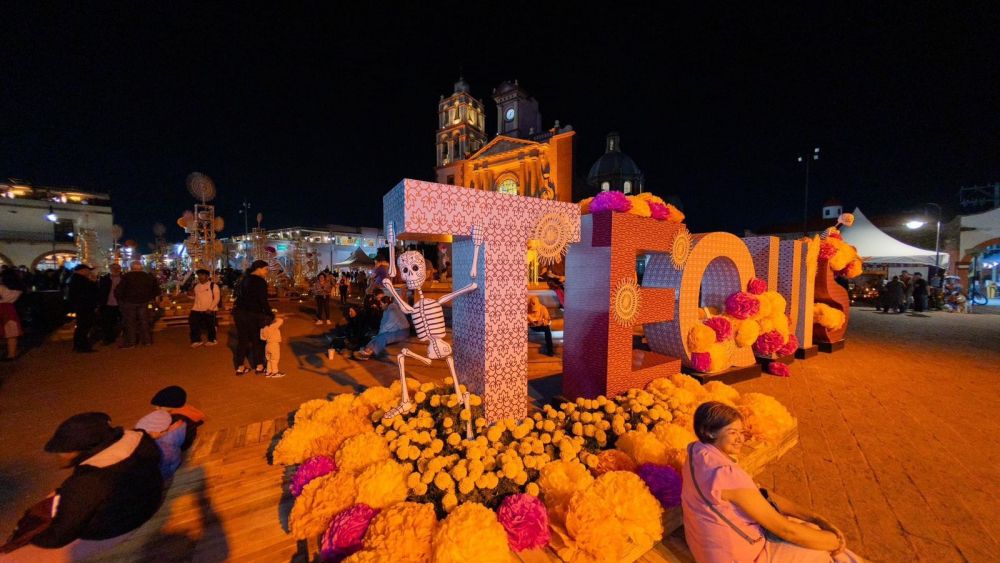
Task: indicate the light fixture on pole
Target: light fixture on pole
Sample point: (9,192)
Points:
(917,223)
(805,205)
(51,215)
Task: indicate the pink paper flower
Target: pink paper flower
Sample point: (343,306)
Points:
(311,469)
(610,201)
(768,343)
(757,286)
(659,211)
(663,481)
(722,327)
(525,520)
(742,305)
(346,531)
(790,347)
(779,369)
(701,361)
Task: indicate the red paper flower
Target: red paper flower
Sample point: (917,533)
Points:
(790,347)
(346,531)
(659,211)
(722,327)
(742,305)
(826,251)
(756,286)
(768,343)
(610,201)
(525,520)
(701,361)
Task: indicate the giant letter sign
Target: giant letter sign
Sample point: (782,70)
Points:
(718,266)
(490,325)
(604,304)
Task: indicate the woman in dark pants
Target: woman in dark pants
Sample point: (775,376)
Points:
(251,312)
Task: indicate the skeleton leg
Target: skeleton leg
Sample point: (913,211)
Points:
(404,403)
(458,392)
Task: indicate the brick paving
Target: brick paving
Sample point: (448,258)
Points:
(896,441)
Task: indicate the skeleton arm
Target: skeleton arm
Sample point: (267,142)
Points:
(403,305)
(390,235)
(477,241)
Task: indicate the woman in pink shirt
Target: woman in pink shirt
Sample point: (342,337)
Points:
(727,518)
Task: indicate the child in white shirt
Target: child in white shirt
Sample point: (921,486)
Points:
(271,335)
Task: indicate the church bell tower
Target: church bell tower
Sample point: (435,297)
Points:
(461,126)
(517,113)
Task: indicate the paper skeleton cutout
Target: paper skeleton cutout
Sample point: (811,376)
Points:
(427,315)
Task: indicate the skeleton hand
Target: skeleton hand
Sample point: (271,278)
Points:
(386,283)
(390,234)
(477,241)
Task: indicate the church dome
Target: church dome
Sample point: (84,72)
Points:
(615,170)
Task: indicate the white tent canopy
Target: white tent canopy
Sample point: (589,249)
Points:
(875,246)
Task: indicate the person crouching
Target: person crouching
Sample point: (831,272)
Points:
(271,335)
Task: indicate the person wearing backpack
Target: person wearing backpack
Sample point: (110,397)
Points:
(206,304)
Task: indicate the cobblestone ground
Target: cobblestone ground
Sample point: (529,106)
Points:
(896,436)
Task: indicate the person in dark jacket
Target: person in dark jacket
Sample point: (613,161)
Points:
(114,489)
(83,299)
(110,316)
(136,291)
(894,296)
(919,293)
(251,312)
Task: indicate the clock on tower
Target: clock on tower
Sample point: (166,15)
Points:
(517,113)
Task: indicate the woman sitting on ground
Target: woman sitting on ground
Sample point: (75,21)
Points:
(728,518)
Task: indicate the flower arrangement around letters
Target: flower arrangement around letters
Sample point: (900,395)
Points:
(643,205)
(755,317)
(589,478)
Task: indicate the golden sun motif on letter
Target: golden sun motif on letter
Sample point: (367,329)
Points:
(625,301)
(553,232)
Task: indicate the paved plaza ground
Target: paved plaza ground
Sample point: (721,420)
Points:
(897,440)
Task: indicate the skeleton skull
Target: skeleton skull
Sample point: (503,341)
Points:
(412,269)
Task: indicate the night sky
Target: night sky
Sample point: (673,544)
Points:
(312,114)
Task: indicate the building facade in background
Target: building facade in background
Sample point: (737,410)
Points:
(327,247)
(521,159)
(615,170)
(50,226)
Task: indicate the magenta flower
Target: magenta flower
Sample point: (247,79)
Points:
(311,469)
(701,361)
(768,343)
(742,305)
(757,286)
(790,347)
(663,481)
(826,251)
(779,369)
(722,327)
(346,531)
(659,211)
(610,201)
(525,520)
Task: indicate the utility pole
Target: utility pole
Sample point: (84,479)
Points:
(805,204)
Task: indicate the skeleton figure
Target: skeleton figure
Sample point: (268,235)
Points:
(427,315)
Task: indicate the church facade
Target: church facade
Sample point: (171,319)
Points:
(521,159)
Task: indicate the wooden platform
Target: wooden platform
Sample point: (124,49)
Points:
(226,503)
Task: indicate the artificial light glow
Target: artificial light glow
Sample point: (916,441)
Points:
(51,215)
(914,224)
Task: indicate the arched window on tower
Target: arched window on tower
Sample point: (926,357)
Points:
(605,186)
(628,187)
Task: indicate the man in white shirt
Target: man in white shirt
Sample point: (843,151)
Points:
(206,303)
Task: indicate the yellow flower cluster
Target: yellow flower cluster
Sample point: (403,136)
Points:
(403,533)
(383,484)
(471,532)
(615,512)
(319,502)
(558,481)
(764,417)
(360,451)
(828,317)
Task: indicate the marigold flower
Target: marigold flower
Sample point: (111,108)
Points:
(471,532)
(320,500)
(360,451)
(402,533)
(383,484)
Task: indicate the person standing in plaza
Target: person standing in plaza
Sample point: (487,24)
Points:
(204,309)
(322,289)
(11,288)
(894,295)
(251,312)
(134,293)
(344,286)
(110,315)
(83,299)
(907,280)
(919,293)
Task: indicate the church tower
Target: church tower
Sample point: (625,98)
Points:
(517,113)
(461,125)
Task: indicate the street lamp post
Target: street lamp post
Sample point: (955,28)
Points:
(916,224)
(805,204)
(245,212)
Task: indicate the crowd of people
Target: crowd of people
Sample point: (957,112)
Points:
(117,482)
